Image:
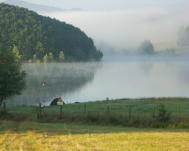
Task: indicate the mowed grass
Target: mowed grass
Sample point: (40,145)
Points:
(33,136)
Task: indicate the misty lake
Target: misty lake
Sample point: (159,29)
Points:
(126,78)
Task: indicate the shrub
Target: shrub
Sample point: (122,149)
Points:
(163,117)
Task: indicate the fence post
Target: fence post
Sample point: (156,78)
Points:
(130,112)
(85,108)
(39,111)
(179,111)
(61,111)
(108,109)
(4,107)
(154,112)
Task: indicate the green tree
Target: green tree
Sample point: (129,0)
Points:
(12,78)
(183,40)
(51,57)
(34,58)
(146,47)
(16,52)
(45,58)
(61,56)
(36,34)
(79,54)
(39,46)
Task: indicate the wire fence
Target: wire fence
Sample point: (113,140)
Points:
(143,110)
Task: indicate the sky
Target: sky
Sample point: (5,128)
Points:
(124,24)
(110,4)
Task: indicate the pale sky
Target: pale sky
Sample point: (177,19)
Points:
(112,4)
(124,24)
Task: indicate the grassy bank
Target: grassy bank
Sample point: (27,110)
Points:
(96,126)
(126,112)
(35,136)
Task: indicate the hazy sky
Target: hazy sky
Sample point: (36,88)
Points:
(110,4)
(124,24)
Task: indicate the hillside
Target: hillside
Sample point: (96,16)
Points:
(42,38)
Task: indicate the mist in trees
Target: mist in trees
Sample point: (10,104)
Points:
(146,47)
(183,40)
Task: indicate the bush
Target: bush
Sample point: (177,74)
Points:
(115,120)
(163,117)
(93,118)
(181,124)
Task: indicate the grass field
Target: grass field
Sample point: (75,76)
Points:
(178,106)
(128,112)
(32,136)
(21,130)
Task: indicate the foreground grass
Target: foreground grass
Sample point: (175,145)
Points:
(33,136)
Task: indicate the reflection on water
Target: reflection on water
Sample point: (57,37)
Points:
(47,81)
(97,81)
(137,79)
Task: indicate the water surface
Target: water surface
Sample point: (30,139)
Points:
(129,78)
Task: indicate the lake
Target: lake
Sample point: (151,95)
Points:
(130,77)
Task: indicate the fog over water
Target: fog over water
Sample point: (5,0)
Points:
(129,78)
(117,27)
(126,29)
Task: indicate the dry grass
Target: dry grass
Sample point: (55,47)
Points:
(29,136)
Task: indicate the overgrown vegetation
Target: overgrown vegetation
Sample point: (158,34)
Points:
(42,39)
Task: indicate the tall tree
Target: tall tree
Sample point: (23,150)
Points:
(51,57)
(183,40)
(45,58)
(16,52)
(12,78)
(61,56)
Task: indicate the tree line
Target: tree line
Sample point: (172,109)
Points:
(42,39)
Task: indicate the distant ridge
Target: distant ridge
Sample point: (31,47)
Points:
(35,7)
(42,39)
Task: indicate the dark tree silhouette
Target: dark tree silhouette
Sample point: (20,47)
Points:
(12,78)
(146,47)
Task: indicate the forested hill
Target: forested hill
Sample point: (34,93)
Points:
(39,38)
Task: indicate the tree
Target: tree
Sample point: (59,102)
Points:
(61,56)
(45,58)
(12,78)
(34,58)
(146,47)
(16,52)
(39,46)
(183,40)
(51,57)
(36,34)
